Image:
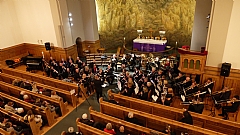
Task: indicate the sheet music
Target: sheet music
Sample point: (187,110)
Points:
(137,88)
(104,85)
(72,91)
(119,85)
(209,90)
(183,98)
(157,92)
(154,98)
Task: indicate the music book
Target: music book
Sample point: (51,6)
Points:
(154,98)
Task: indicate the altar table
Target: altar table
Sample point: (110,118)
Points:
(149,45)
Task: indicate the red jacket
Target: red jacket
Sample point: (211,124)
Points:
(109,131)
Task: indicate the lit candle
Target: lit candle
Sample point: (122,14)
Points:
(176,43)
(42,54)
(124,38)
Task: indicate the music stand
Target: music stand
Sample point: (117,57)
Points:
(78,94)
(212,110)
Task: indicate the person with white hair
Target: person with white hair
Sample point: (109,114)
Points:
(130,118)
(71,131)
(85,120)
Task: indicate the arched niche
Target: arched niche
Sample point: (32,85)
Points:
(185,63)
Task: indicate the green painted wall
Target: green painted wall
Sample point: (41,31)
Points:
(121,18)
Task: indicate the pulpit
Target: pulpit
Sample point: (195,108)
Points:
(192,62)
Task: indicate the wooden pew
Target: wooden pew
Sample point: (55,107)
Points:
(42,79)
(130,128)
(35,127)
(200,120)
(152,121)
(4,132)
(88,130)
(63,133)
(71,98)
(46,113)
(14,90)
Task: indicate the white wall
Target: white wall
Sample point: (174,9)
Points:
(232,46)
(74,7)
(10,32)
(218,31)
(35,20)
(199,33)
(89,17)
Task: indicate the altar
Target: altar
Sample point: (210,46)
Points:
(149,45)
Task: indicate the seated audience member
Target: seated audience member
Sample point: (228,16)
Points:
(85,120)
(55,96)
(109,129)
(4,121)
(132,119)
(22,93)
(9,107)
(15,82)
(30,115)
(20,111)
(26,98)
(34,88)
(9,127)
(71,131)
(111,99)
(38,102)
(52,108)
(187,118)
(121,131)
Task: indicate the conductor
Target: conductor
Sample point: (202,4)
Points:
(98,86)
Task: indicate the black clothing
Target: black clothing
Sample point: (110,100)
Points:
(98,87)
(87,121)
(233,108)
(113,102)
(197,108)
(187,120)
(120,133)
(132,120)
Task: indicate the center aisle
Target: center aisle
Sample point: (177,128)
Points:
(70,119)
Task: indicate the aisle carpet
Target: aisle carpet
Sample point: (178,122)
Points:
(70,120)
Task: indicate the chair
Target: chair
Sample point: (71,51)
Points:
(101,50)
(234,115)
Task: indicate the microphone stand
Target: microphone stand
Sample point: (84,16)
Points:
(83,94)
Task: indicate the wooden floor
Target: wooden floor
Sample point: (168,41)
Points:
(176,103)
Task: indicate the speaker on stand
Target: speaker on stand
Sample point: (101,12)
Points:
(48,47)
(225,71)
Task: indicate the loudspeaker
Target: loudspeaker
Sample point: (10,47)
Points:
(47,46)
(225,69)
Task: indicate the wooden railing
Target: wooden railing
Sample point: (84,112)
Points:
(153,121)
(200,120)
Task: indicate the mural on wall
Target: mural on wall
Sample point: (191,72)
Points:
(121,18)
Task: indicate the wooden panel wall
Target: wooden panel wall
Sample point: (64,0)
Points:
(233,81)
(12,52)
(21,50)
(91,45)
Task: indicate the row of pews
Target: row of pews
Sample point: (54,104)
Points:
(199,120)
(68,92)
(154,118)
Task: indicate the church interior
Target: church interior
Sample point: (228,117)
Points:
(122,67)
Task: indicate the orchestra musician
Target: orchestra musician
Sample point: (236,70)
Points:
(192,89)
(79,62)
(222,96)
(109,73)
(233,108)
(84,80)
(113,62)
(98,82)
